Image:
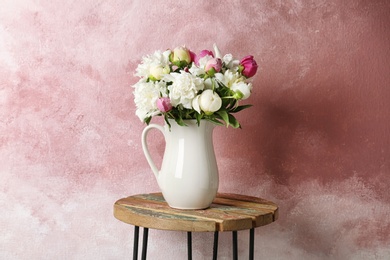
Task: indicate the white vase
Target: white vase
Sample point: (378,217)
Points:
(188,178)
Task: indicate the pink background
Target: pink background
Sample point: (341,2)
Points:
(317,140)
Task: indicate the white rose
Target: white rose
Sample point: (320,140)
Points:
(208,101)
(242,89)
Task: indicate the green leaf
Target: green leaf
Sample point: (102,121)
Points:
(147,120)
(240,108)
(233,122)
(166,120)
(224,115)
(215,121)
(225,102)
(179,120)
(198,118)
(232,104)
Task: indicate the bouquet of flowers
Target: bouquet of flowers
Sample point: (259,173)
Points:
(179,84)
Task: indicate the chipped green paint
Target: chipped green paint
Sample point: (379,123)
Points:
(151,197)
(230,209)
(155,214)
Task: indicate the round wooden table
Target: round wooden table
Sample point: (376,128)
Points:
(228,212)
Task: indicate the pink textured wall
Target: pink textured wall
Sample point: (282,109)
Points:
(317,140)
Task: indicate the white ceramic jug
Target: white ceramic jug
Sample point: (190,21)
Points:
(188,177)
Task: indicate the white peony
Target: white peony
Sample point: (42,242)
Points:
(145,97)
(196,71)
(242,89)
(229,78)
(208,101)
(154,65)
(227,59)
(230,62)
(236,83)
(184,88)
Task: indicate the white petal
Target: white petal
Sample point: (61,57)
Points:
(217,52)
(195,104)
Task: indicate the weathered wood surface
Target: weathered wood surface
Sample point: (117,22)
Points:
(227,213)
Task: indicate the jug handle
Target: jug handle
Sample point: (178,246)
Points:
(145,146)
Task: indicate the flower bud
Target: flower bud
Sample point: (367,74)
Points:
(192,56)
(164,104)
(180,55)
(201,55)
(208,101)
(157,72)
(213,66)
(238,95)
(248,66)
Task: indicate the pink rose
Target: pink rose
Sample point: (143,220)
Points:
(212,66)
(249,66)
(164,104)
(201,55)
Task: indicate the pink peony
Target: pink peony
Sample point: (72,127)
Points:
(164,104)
(249,66)
(201,55)
(212,66)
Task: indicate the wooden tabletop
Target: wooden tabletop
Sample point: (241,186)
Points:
(228,212)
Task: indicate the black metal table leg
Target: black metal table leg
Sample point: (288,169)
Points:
(189,245)
(235,253)
(145,243)
(135,246)
(251,243)
(215,247)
